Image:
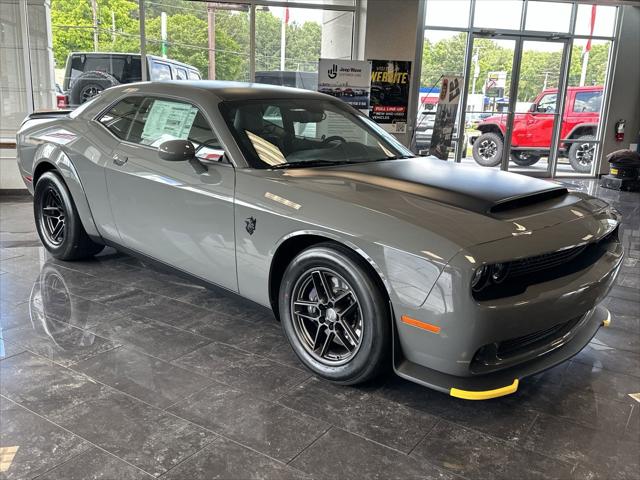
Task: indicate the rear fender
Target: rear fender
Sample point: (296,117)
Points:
(54,155)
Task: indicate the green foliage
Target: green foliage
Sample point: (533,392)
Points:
(446,57)
(187,41)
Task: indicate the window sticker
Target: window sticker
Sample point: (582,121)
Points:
(168,120)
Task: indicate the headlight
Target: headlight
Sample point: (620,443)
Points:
(479,279)
(499,272)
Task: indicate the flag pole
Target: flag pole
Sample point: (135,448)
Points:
(587,48)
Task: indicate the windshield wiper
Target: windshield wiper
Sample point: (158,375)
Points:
(309,163)
(394,157)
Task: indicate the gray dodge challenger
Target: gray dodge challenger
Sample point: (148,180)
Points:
(462,279)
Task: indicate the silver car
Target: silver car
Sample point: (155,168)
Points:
(462,279)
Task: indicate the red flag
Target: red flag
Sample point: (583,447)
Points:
(286,16)
(591,26)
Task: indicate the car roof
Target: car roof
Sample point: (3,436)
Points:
(587,88)
(125,54)
(226,90)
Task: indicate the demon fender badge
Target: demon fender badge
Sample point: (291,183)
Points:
(250,225)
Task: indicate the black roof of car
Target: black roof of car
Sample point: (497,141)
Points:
(125,54)
(227,90)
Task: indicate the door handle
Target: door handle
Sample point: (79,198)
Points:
(119,159)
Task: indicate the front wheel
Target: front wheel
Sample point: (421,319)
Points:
(334,315)
(57,221)
(487,149)
(581,153)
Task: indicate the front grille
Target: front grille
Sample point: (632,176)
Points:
(499,355)
(543,262)
(515,346)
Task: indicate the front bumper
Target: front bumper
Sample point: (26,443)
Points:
(454,341)
(505,382)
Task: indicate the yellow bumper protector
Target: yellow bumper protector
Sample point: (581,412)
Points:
(484,394)
(607,321)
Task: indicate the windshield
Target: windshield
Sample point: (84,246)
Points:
(307,132)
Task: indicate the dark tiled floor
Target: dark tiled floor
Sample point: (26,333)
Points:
(110,369)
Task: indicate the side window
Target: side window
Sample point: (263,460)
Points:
(193,75)
(547,103)
(588,102)
(119,119)
(160,71)
(181,74)
(159,120)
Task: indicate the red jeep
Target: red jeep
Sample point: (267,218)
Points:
(531,138)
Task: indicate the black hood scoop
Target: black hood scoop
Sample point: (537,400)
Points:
(482,190)
(527,200)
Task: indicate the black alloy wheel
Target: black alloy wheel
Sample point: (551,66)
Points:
(53,216)
(335,314)
(327,316)
(57,221)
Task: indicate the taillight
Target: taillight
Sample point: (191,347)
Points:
(62,101)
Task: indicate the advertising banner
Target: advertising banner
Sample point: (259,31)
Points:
(445,121)
(348,80)
(390,81)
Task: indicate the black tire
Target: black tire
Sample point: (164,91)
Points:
(524,158)
(88,85)
(57,221)
(581,154)
(368,352)
(487,149)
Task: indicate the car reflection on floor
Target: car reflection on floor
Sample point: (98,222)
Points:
(52,312)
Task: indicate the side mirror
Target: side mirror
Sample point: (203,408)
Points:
(176,150)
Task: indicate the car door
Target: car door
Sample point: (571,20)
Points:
(180,213)
(540,122)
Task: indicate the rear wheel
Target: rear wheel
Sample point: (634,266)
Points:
(90,84)
(57,220)
(581,153)
(334,315)
(487,149)
(524,158)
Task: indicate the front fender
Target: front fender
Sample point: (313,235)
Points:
(54,155)
(407,278)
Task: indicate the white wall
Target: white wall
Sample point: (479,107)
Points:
(625,87)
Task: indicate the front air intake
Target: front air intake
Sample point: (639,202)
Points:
(527,200)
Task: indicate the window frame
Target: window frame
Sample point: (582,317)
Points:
(227,159)
(163,64)
(593,93)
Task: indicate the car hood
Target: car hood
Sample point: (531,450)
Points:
(481,190)
(465,205)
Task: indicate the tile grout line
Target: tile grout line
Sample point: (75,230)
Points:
(312,443)
(108,387)
(74,434)
(435,424)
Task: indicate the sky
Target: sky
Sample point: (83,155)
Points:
(542,16)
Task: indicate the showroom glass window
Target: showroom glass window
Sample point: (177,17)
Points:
(468,38)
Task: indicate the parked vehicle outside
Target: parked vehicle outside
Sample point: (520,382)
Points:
(89,73)
(424,130)
(532,131)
